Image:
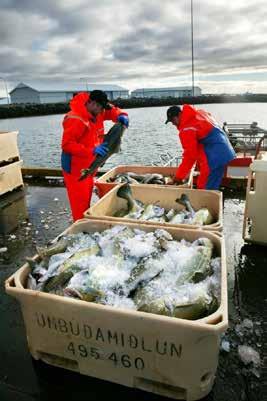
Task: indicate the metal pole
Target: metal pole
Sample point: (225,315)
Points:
(5,89)
(192,47)
(86,83)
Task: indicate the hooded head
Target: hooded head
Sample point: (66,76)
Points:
(78,104)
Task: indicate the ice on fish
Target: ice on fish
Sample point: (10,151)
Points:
(131,268)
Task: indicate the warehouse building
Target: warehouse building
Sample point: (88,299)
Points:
(181,91)
(56,93)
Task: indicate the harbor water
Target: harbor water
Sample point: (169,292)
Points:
(146,139)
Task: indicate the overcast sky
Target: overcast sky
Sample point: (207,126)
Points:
(138,43)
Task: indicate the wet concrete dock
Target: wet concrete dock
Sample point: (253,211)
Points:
(23,379)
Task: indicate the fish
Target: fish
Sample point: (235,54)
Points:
(197,267)
(87,294)
(156,306)
(171,297)
(120,178)
(69,267)
(188,310)
(184,200)
(57,247)
(145,271)
(196,309)
(134,209)
(201,304)
(177,218)
(32,262)
(152,211)
(113,141)
(148,178)
(201,216)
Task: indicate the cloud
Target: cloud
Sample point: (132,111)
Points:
(135,44)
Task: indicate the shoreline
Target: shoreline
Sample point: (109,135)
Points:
(31,110)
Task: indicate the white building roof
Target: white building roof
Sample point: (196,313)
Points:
(173,88)
(3,100)
(67,86)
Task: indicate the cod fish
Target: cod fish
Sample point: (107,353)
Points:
(153,212)
(78,287)
(87,294)
(70,267)
(113,141)
(198,266)
(202,216)
(191,310)
(134,209)
(58,247)
(123,177)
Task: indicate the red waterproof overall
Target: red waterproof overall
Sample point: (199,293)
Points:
(82,132)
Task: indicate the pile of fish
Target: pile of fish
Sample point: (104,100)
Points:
(132,269)
(134,178)
(153,212)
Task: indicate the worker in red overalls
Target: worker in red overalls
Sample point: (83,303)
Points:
(204,142)
(82,141)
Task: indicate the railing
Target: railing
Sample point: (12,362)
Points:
(167,160)
(245,137)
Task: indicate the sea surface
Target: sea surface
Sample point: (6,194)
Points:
(143,143)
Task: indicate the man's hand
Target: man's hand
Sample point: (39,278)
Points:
(101,150)
(169,180)
(177,181)
(123,119)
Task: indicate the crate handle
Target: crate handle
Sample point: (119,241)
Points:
(161,388)
(14,281)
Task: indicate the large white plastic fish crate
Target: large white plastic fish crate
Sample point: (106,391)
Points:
(8,146)
(172,357)
(10,177)
(104,187)
(165,197)
(255,216)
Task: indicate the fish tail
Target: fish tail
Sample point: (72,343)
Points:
(125,192)
(41,251)
(31,262)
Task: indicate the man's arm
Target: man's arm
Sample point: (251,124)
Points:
(189,143)
(114,113)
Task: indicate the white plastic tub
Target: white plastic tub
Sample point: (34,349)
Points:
(172,357)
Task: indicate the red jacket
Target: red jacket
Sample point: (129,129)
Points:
(194,126)
(82,132)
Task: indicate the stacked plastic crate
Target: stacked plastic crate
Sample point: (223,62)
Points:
(255,216)
(10,163)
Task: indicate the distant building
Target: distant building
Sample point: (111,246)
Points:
(4,100)
(179,91)
(56,93)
